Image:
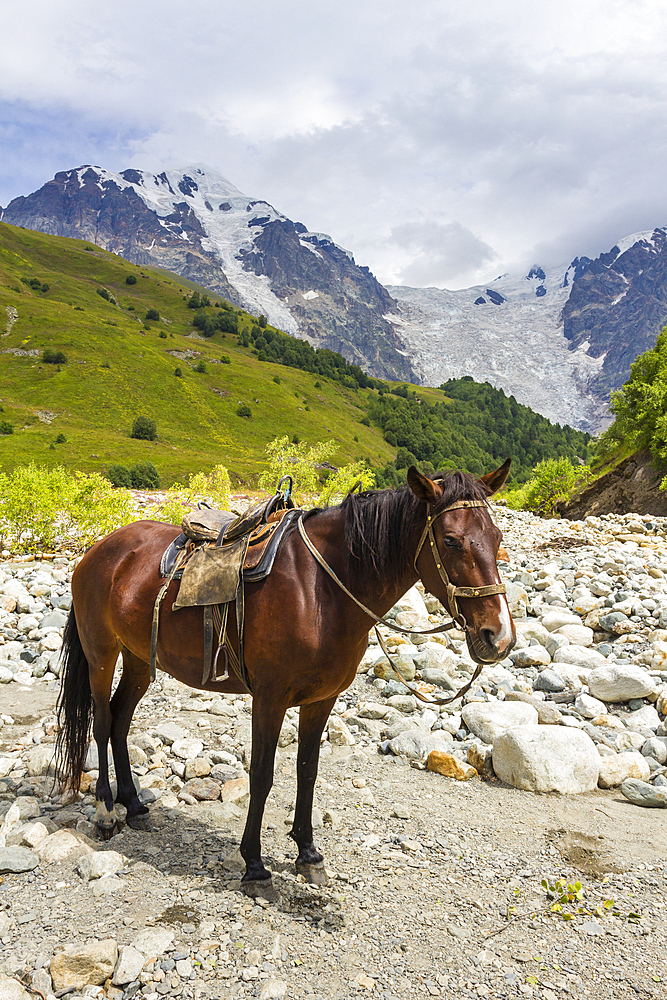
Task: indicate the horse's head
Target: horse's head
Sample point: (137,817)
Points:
(456,558)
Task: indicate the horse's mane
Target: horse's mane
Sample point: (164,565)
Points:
(380,525)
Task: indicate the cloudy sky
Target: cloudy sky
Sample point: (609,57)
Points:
(443,143)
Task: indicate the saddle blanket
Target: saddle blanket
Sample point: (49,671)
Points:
(211,573)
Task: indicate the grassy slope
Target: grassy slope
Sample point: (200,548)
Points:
(94,405)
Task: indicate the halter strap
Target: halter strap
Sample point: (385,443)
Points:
(452,591)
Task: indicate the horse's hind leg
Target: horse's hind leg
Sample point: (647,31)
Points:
(312,720)
(101,678)
(131,688)
(266,722)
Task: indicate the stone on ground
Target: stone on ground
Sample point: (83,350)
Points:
(616,768)
(129,966)
(615,682)
(642,794)
(17,859)
(547,759)
(82,965)
(488,720)
(447,765)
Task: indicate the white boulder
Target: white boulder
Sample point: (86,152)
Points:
(616,682)
(489,719)
(547,759)
(616,768)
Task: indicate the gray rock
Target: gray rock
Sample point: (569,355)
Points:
(53,619)
(640,793)
(656,747)
(403,702)
(616,682)
(129,966)
(549,680)
(488,720)
(17,859)
(416,745)
(100,863)
(644,718)
(153,941)
(169,732)
(531,656)
(547,759)
(581,655)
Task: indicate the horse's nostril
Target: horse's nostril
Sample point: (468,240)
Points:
(489,637)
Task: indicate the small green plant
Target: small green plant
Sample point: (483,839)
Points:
(119,476)
(261,322)
(276,379)
(144,476)
(153,314)
(243,410)
(178,372)
(318,385)
(144,429)
(131,279)
(61,439)
(6,427)
(201,367)
(225,359)
(162,335)
(51,357)
(102,292)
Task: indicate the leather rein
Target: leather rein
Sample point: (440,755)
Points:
(452,592)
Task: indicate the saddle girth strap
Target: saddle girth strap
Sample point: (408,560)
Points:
(180,558)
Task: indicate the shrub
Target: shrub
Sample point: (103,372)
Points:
(41,507)
(201,367)
(262,321)
(243,410)
(45,287)
(144,476)
(178,372)
(225,359)
(61,439)
(119,476)
(276,379)
(318,385)
(131,279)
(6,427)
(195,302)
(102,292)
(162,335)
(304,463)
(153,314)
(553,481)
(144,429)
(214,487)
(51,357)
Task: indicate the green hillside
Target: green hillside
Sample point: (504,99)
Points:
(144,342)
(119,367)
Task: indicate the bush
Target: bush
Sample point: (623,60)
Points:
(201,367)
(131,279)
(553,481)
(276,379)
(162,335)
(243,410)
(102,292)
(51,357)
(178,372)
(61,439)
(144,429)
(144,476)
(195,301)
(262,322)
(41,507)
(153,314)
(45,287)
(225,359)
(119,476)
(304,463)
(6,427)
(214,487)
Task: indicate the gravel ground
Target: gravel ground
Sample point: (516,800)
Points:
(435,883)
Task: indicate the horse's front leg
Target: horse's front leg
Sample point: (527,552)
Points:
(267,719)
(312,720)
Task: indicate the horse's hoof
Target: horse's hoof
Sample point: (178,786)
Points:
(314,874)
(105,831)
(260,889)
(139,822)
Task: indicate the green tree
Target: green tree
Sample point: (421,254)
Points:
(144,429)
(144,476)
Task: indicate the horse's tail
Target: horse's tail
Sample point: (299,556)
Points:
(74,709)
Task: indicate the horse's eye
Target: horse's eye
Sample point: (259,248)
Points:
(451,543)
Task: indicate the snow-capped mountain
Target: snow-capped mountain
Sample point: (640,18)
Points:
(558,339)
(196,223)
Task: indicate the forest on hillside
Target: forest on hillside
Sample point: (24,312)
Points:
(474,428)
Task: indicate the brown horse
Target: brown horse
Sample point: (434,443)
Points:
(304,636)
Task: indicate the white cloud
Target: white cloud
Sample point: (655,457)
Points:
(534,129)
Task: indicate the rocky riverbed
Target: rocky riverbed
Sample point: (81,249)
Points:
(438,824)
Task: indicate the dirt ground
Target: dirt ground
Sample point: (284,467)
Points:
(445,901)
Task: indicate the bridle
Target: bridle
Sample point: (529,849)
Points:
(452,592)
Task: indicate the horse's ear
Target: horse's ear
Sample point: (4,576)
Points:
(423,487)
(493,481)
